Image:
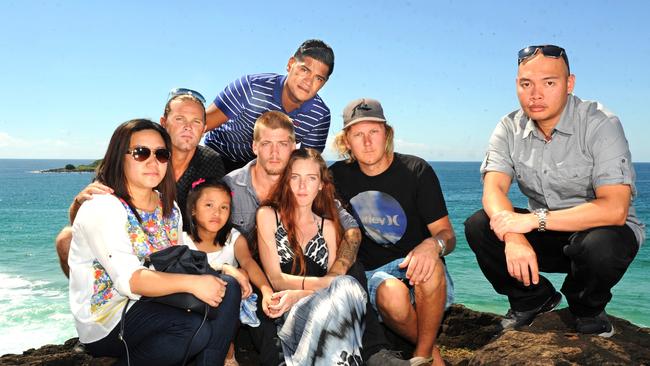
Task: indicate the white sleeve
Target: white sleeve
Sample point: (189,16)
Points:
(102,223)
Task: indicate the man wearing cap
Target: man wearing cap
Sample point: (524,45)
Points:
(274,140)
(184,120)
(571,159)
(398,202)
(232,115)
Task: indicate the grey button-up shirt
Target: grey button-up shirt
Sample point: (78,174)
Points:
(245,202)
(588,149)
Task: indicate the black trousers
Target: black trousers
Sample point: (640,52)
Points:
(594,260)
(266,341)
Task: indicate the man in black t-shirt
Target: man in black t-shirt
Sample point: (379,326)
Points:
(399,205)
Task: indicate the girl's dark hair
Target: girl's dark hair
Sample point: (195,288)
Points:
(193,196)
(111,170)
(283,200)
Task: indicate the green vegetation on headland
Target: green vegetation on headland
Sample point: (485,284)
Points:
(69,168)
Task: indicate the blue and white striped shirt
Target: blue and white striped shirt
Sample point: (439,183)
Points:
(245,99)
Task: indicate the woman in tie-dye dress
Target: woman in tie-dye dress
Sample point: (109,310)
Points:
(298,231)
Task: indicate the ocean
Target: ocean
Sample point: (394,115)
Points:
(34,294)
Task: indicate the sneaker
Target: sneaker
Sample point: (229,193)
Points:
(388,358)
(515,319)
(598,324)
(420,361)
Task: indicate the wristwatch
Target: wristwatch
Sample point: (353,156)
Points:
(443,247)
(541,214)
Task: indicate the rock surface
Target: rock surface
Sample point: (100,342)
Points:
(467,338)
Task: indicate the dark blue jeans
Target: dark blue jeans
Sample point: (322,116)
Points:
(158,334)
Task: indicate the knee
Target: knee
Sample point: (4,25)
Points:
(475,226)
(233,292)
(393,300)
(434,286)
(603,248)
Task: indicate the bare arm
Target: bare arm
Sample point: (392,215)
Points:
(609,208)
(246,261)
(208,288)
(520,256)
(421,262)
(347,251)
(214,117)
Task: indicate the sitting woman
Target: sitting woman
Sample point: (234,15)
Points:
(112,236)
(298,231)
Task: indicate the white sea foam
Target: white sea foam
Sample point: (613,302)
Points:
(32,313)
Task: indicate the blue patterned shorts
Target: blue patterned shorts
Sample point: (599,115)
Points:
(391,270)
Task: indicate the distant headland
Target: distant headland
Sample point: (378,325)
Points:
(69,168)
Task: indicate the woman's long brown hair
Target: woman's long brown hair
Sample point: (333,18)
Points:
(283,200)
(111,170)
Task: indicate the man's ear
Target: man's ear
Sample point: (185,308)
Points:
(290,63)
(163,122)
(571,83)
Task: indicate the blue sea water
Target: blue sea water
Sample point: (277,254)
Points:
(34,293)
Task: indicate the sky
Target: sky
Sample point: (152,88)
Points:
(444,71)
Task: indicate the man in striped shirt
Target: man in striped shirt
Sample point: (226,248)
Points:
(233,113)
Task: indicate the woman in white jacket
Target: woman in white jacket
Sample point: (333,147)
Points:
(112,236)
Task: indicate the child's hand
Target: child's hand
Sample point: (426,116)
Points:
(241,277)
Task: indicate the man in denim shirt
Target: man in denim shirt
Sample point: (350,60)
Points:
(571,159)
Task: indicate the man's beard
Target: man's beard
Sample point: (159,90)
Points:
(273,171)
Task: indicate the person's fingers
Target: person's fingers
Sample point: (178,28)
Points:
(406,261)
(534,271)
(511,268)
(413,263)
(418,272)
(429,272)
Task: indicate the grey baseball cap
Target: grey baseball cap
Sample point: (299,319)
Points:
(363,109)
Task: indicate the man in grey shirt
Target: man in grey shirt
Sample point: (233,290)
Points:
(571,159)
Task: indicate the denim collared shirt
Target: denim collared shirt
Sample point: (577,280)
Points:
(245,202)
(588,149)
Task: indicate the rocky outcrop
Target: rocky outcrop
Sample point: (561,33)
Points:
(467,338)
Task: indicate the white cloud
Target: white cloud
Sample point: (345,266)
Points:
(17,147)
(8,141)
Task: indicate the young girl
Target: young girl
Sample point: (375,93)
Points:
(112,236)
(298,231)
(208,205)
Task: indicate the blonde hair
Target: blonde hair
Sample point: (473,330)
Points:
(345,153)
(274,120)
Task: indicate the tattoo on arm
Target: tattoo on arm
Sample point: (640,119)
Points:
(347,252)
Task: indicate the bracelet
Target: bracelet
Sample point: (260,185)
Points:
(303,282)
(443,247)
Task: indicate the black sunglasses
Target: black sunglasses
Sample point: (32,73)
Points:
(548,50)
(184,91)
(142,153)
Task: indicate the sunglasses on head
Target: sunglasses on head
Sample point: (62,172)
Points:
(184,91)
(548,50)
(142,153)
